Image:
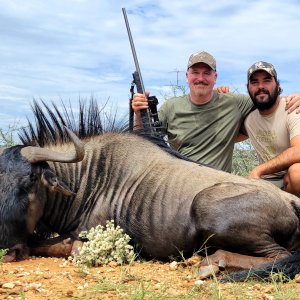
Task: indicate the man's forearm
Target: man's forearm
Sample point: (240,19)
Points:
(281,162)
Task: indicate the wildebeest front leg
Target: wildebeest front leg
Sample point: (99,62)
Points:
(54,247)
(234,261)
(230,261)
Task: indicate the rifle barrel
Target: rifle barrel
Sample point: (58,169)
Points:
(136,62)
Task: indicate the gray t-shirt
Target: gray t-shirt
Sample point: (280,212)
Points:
(205,133)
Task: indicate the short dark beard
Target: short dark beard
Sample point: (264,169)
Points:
(266,104)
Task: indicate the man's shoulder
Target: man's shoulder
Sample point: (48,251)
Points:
(241,101)
(253,115)
(233,96)
(281,110)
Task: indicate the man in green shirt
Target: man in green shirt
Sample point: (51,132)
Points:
(204,124)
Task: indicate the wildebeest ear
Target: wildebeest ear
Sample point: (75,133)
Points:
(54,184)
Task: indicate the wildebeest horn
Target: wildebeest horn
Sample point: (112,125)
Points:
(36,154)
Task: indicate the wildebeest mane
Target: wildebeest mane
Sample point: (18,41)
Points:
(91,120)
(49,123)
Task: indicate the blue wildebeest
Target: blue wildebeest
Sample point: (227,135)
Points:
(165,204)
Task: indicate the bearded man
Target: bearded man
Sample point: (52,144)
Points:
(204,124)
(274,133)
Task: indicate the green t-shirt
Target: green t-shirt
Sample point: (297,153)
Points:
(205,133)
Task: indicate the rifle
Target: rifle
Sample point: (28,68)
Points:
(149,117)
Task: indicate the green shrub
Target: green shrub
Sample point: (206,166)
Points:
(244,158)
(104,245)
(8,136)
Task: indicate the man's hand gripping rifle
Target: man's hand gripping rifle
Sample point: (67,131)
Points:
(149,116)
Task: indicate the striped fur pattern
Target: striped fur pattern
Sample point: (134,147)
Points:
(166,205)
(93,125)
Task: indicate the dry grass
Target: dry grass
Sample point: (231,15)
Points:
(48,278)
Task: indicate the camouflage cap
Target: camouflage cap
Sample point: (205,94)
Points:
(262,66)
(202,57)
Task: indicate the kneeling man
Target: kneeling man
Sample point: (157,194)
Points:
(274,133)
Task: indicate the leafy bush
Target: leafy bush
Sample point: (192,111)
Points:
(2,254)
(244,158)
(8,136)
(104,245)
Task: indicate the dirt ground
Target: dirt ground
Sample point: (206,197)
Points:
(51,278)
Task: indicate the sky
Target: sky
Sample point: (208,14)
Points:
(66,50)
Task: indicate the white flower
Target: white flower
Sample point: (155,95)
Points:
(104,245)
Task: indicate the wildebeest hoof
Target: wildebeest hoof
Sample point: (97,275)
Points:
(16,253)
(76,247)
(11,256)
(222,264)
(208,271)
